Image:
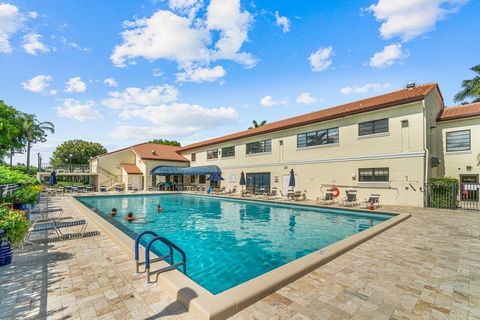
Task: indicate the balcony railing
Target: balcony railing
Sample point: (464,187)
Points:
(66,168)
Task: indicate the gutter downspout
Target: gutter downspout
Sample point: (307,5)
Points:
(426,154)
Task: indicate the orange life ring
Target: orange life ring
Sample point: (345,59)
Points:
(335,191)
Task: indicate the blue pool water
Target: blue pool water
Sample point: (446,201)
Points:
(229,241)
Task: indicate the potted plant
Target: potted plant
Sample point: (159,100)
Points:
(24,198)
(13,229)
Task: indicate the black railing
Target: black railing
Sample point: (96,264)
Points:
(453,196)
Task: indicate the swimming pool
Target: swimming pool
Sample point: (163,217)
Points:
(230,241)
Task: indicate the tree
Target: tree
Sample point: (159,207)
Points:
(35,131)
(166,142)
(81,152)
(12,135)
(256,124)
(471,88)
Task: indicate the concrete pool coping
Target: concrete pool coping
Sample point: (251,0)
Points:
(205,305)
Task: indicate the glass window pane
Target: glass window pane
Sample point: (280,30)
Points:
(458,140)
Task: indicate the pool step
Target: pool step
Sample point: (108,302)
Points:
(147,262)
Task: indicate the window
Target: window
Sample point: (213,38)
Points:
(201,179)
(193,156)
(212,154)
(228,152)
(373,127)
(373,175)
(259,147)
(317,138)
(258,182)
(458,141)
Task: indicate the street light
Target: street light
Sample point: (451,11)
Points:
(70,157)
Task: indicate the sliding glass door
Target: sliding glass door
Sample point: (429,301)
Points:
(258,182)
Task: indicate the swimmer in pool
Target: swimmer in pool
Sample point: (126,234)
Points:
(114,212)
(129,217)
(159,208)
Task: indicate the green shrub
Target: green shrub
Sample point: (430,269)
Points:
(443,192)
(14,224)
(27,194)
(10,176)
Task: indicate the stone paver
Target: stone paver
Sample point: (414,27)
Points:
(427,267)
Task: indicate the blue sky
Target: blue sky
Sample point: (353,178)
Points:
(123,72)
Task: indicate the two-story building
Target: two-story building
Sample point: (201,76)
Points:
(388,144)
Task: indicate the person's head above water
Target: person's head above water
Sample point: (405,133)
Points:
(130,214)
(114,211)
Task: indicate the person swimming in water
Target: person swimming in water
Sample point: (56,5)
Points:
(159,207)
(114,212)
(129,217)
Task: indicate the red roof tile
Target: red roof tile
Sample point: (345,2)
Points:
(131,168)
(154,151)
(460,112)
(395,98)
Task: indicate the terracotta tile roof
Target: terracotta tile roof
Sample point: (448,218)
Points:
(395,98)
(460,112)
(161,152)
(131,168)
(154,151)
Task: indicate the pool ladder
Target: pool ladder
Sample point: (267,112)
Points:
(171,246)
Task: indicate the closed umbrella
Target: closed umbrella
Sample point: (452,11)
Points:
(53,179)
(242,181)
(291,182)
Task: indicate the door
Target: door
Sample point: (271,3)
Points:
(258,182)
(469,187)
(136,181)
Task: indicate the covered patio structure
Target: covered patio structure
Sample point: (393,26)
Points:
(184,178)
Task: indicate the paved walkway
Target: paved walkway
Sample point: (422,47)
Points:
(427,267)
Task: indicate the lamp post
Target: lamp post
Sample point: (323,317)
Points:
(70,157)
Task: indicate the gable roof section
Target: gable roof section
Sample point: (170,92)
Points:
(155,151)
(131,168)
(407,95)
(460,112)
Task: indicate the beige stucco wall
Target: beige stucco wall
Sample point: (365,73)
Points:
(112,163)
(401,150)
(455,163)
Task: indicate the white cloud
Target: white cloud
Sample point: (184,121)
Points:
(177,119)
(157,72)
(188,8)
(32,44)
(306,98)
(268,101)
(283,22)
(33,14)
(321,59)
(410,18)
(201,74)
(365,88)
(75,85)
(38,84)
(72,44)
(136,97)
(189,41)
(10,21)
(81,111)
(111,82)
(390,55)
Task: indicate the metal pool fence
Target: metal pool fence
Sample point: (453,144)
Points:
(453,196)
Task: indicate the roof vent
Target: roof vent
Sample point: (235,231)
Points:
(410,85)
(154,152)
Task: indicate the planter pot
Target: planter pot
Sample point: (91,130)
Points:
(6,251)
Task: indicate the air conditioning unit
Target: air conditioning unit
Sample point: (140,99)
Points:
(435,162)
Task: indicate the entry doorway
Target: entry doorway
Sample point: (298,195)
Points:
(136,181)
(258,182)
(469,187)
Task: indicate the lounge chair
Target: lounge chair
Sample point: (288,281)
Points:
(44,213)
(327,199)
(103,189)
(299,196)
(273,194)
(373,202)
(54,224)
(89,188)
(351,199)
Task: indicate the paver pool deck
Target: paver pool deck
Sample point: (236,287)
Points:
(427,267)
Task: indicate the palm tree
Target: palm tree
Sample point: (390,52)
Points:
(35,131)
(256,124)
(471,88)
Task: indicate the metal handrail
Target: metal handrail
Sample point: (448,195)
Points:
(137,248)
(172,265)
